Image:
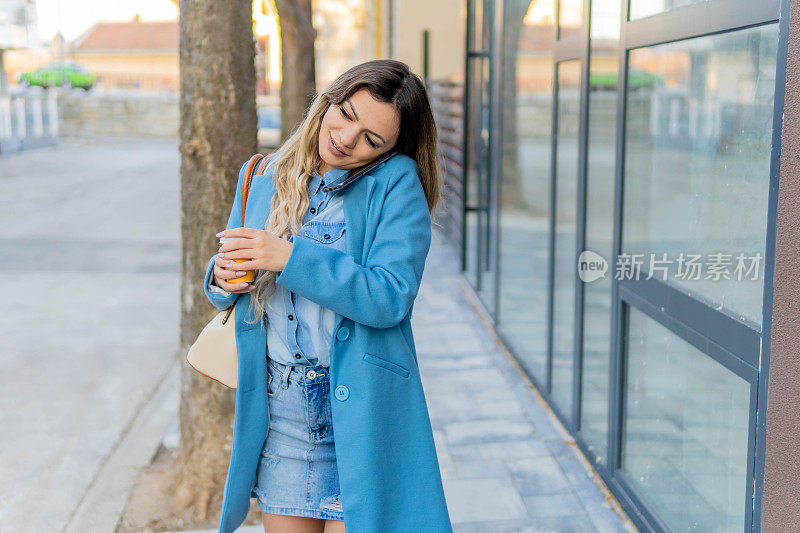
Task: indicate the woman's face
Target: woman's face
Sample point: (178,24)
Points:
(357,131)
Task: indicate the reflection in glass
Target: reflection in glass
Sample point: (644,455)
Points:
(697,162)
(525,182)
(645,8)
(565,272)
(604,73)
(569,18)
(685,431)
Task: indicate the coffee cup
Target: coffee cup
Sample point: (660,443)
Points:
(249,275)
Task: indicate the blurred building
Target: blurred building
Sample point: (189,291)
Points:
(26,121)
(17,31)
(132,54)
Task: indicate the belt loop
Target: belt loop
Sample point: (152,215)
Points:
(285,376)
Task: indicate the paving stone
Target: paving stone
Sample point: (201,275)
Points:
(493,395)
(448,363)
(476,500)
(481,468)
(444,413)
(539,475)
(501,450)
(501,526)
(606,520)
(446,466)
(572,524)
(503,409)
(553,505)
(492,430)
(476,378)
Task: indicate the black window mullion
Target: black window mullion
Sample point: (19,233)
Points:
(696,20)
(682,318)
(740,338)
(618,329)
(580,213)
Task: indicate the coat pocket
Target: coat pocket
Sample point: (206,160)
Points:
(385,363)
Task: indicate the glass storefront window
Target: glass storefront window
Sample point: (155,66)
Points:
(603,79)
(698,138)
(570,18)
(685,435)
(564,273)
(525,182)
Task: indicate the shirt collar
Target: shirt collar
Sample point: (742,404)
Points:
(331,177)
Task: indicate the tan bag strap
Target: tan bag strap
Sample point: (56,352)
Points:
(262,165)
(254,166)
(248,175)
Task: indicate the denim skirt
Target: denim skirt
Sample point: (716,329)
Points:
(297,469)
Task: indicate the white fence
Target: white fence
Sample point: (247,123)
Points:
(28,120)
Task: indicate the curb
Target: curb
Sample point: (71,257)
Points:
(102,505)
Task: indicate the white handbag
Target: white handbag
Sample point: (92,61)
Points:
(214,354)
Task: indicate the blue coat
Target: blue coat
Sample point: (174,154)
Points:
(388,471)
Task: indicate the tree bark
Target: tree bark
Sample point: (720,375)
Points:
(217,135)
(511,187)
(298,79)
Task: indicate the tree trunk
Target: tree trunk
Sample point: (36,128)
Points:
(217,135)
(511,186)
(298,80)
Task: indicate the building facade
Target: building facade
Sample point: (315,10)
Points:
(616,208)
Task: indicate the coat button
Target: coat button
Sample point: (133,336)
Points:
(291,317)
(313,210)
(341,393)
(311,374)
(343,333)
(297,356)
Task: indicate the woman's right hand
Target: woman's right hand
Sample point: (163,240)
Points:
(221,277)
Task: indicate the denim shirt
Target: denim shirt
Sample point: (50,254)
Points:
(299,331)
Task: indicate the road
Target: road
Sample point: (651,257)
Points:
(89,261)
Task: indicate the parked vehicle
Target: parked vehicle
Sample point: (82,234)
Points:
(637,79)
(269,126)
(66,74)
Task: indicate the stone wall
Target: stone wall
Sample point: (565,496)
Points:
(134,114)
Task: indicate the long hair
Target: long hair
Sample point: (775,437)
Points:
(294,162)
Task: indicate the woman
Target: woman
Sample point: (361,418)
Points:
(323,334)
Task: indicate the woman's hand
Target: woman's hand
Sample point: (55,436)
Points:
(263,250)
(221,277)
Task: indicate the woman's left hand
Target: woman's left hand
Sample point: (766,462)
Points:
(264,250)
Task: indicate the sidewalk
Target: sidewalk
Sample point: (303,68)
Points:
(507,464)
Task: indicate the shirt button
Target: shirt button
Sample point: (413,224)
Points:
(313,210)
(291,317)
(341,393)
(343,333)
(297,356)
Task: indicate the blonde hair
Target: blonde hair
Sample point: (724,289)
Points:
(387,80)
